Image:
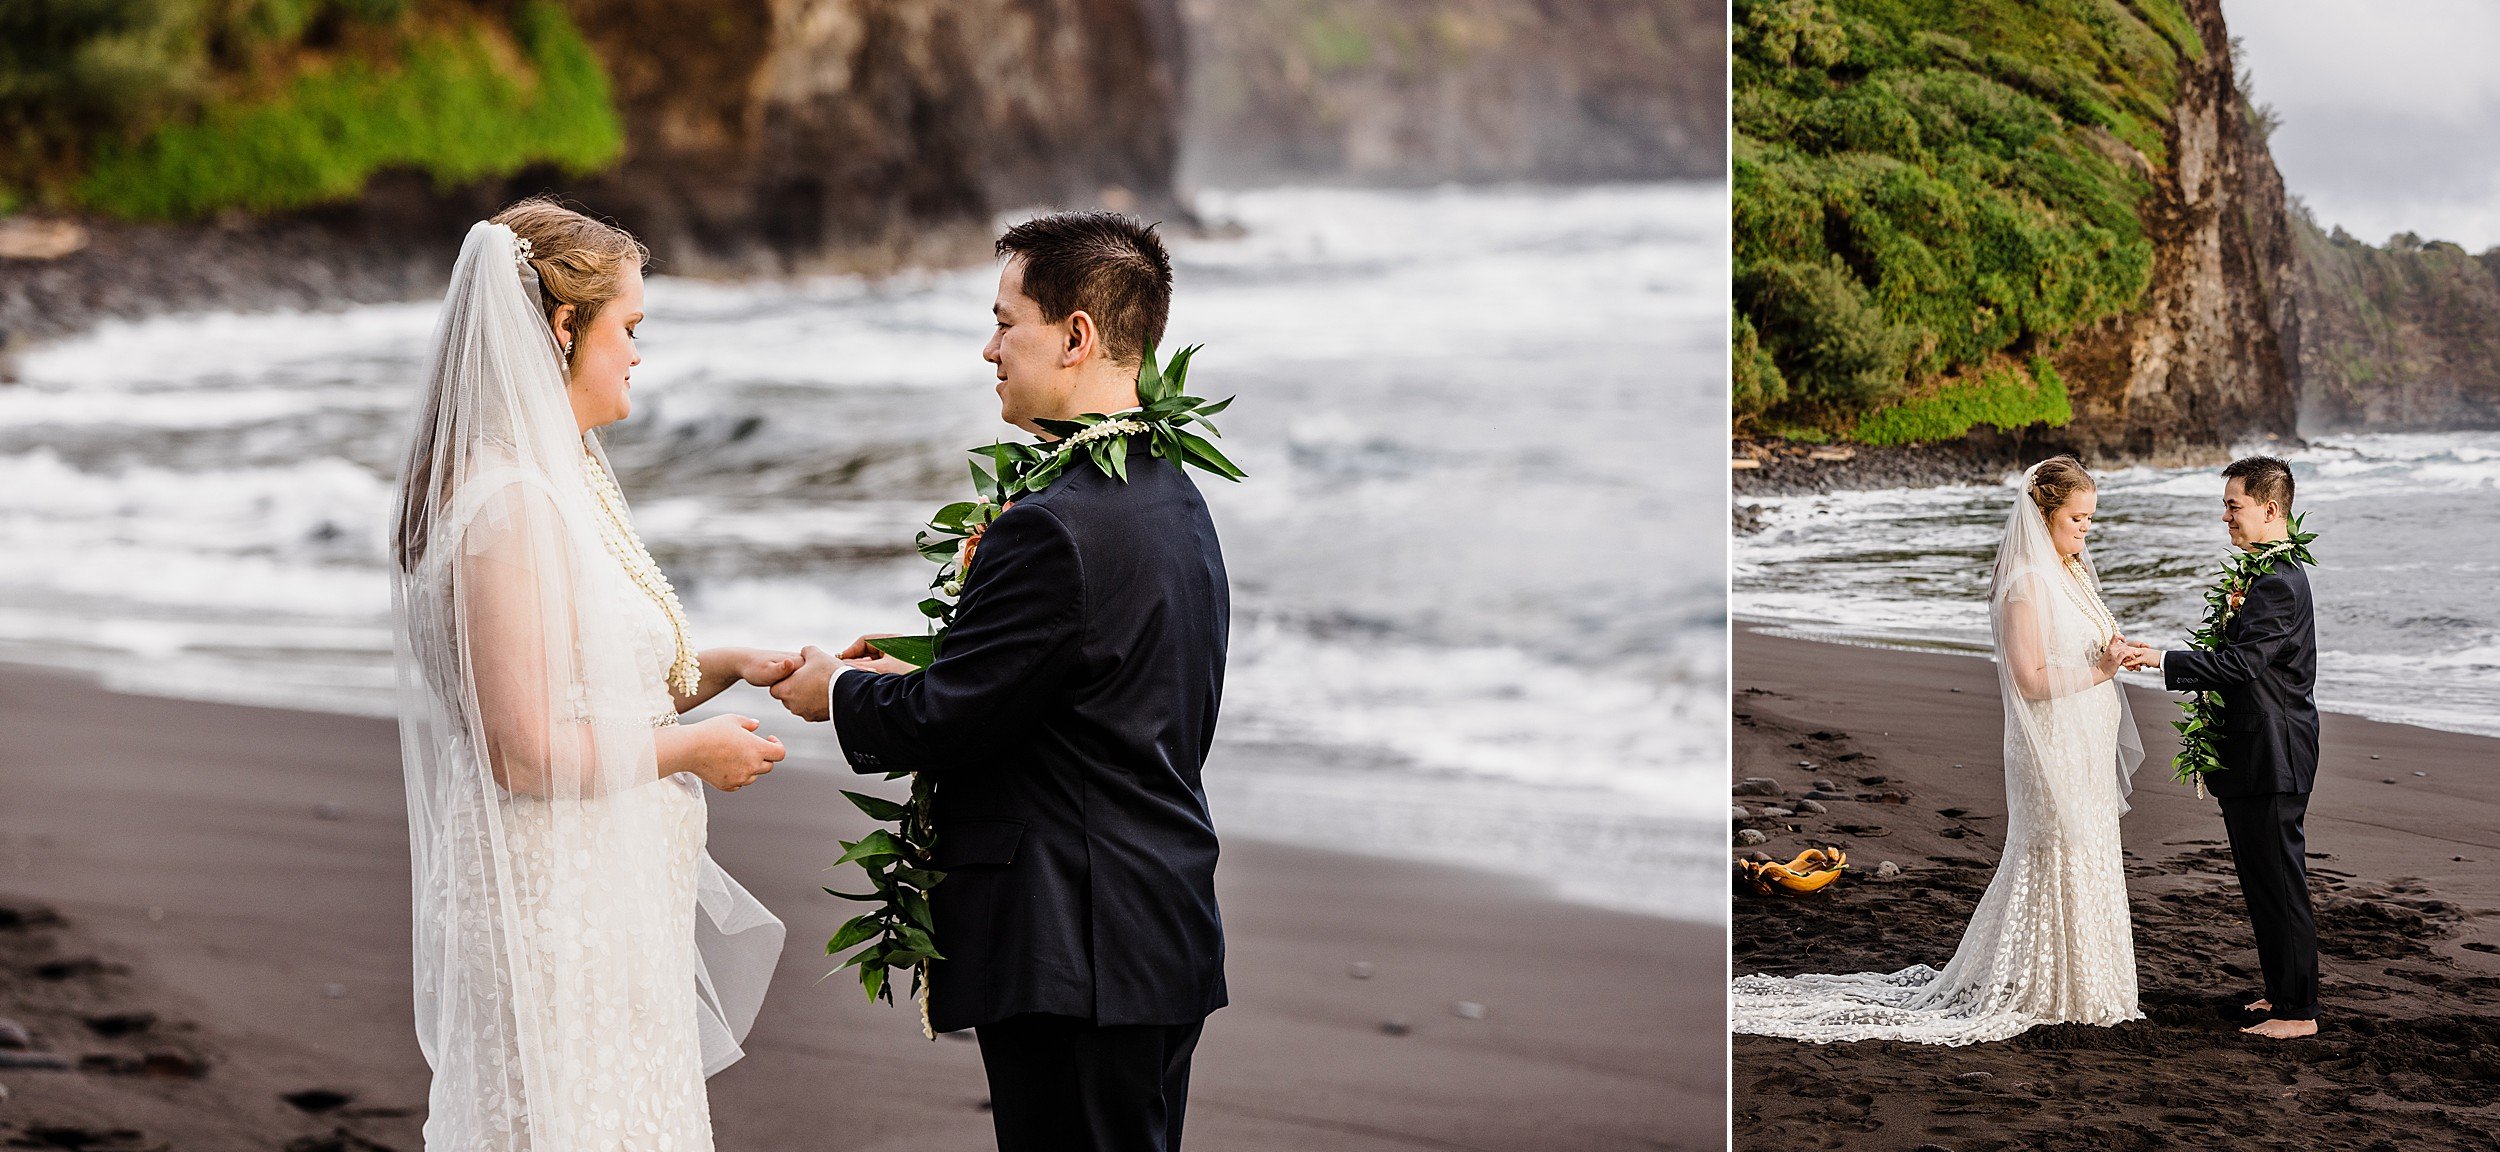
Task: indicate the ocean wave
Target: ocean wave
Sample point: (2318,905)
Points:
(2404,620)
(1484,712)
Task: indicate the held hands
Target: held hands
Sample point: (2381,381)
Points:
(728,755)
(807,691)
(2131,656)
(763,667)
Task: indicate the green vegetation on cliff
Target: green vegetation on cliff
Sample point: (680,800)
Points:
(177,109)
(2402,335)
(1928,194)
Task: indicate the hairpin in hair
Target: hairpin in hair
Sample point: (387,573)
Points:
(528,272)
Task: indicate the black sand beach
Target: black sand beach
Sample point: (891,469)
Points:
(2404,840)
(231,883)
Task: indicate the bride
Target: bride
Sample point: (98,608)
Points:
(2050,941)
(581,964)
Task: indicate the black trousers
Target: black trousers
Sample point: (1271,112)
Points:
(2267,846)
(1060,1084)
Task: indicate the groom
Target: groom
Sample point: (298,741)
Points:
(2266,671)
(1065,726)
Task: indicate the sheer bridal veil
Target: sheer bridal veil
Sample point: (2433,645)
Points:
(2032,590)
(526,721)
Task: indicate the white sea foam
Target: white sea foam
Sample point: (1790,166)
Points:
(2405,623)
(1459,566)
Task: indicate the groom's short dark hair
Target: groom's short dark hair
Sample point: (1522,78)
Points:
(2263,478)
(1109,266)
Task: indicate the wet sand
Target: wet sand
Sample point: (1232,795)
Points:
(2404,842)
(238,877)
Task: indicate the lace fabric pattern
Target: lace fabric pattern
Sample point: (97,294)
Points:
(580,964)
(2051,940)
(602,911)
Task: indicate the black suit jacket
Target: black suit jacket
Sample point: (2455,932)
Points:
(2267,673)
(1066,722)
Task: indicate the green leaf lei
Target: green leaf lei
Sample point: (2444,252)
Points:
(2200,731)
(900,862)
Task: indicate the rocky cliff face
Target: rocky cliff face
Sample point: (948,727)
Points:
(2203,364)
(774,135)
(762,136)
(1406,91)
(2404,336)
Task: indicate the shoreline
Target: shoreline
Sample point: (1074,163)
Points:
(2402,837)
(1693,834)
(1840,638)
(1785,468)
(239,873)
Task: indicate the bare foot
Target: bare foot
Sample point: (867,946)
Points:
(2260,1004)
(2283,1029)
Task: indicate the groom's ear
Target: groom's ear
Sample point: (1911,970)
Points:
(1084,336)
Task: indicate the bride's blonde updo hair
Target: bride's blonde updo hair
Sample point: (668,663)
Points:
(2056,481)
(580,261)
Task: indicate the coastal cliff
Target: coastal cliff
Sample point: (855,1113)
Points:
(2403,336)
(781,135)
(324,152)
(166,155)
(2202,362)
(1420,91)
(2031,230)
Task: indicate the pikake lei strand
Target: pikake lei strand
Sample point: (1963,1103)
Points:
(616,531)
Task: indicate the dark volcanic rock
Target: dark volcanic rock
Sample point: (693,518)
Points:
(2395,337)
(767,136)
(2203,363)
(775,135)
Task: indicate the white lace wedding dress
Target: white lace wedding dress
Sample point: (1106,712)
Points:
(581,963)
(603,892)
(2050,940)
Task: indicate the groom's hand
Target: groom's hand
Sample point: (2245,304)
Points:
(864,655)
(808,690)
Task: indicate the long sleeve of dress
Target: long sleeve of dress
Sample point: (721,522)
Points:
(2023,627)
(521,635)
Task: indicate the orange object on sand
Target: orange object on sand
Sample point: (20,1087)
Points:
(1813,870)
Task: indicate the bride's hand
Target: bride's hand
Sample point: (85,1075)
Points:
(764,667)
(2114,656)
(728,755)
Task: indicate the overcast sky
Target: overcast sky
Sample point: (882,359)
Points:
(2391,111)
